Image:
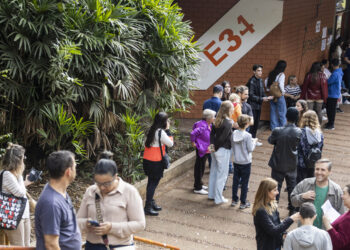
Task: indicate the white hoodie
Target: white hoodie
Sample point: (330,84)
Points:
(242,147)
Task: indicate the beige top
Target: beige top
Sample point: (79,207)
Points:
(122,207)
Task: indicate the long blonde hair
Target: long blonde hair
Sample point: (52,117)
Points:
(225,111)
(13,159)
(310,120)
(262,199)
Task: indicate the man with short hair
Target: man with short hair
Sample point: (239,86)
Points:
(256,97)
(214,102)
(307,236)
(243,92)
(334,93)
(318,190)
(284,157)
(55,220)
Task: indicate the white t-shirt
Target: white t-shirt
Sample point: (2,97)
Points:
(280,78)
(164,139)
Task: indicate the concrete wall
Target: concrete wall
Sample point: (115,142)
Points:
(293,40)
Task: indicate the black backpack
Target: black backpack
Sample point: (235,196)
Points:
(314,155)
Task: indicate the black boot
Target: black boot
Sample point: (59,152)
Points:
(149,210)
(155,206)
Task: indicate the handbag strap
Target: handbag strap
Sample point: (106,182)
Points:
(1,177)
(160,144)
(100,219)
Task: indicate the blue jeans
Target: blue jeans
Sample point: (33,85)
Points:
(278,112)
(240,173)
(218,174)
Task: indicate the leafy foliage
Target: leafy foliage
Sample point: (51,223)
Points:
(94,59)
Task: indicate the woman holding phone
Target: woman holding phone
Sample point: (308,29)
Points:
(111,210)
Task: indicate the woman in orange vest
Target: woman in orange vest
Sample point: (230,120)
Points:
(152,158)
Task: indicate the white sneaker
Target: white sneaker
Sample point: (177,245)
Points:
(346,94)
(259,144)
(324,111)
(202,191)
(204,187)
(324,118)
(346,102)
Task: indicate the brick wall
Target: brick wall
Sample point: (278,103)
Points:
(293,40)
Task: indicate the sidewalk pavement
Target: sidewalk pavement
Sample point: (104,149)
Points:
(191,221)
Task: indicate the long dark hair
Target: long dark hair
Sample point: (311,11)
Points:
(160,121)
(279,68)
(334,45)
(315,69)
(225,96)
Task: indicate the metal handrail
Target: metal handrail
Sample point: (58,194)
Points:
(156,243)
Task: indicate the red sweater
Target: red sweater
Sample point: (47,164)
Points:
(317,90)
(340,233)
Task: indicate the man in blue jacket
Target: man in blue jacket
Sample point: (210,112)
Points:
(214,103)
(334,92)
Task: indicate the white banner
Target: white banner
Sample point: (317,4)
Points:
(237,32)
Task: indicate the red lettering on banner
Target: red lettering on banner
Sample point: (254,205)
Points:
(231,37)
(211,55)
(249,27)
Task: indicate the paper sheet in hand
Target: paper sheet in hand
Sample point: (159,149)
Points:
(330,212)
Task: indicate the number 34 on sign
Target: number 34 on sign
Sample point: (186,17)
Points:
(232,38)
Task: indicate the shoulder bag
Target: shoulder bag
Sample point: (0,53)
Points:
(165,161)
(314,155)
(11,208)
(275,90)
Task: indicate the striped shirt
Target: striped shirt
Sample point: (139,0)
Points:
(294,91)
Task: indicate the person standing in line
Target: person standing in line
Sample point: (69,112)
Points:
(292,91)
(243,92)
(256,97)
(314,89)
(122,208)
(55,220)
(220,140)
(311,138)
(307,236)
(301,106)
(334,92)
(242,146)
(278,104)
(214,102)
(340,228)
(319,189)
(13,183)
(226,90)
(284,157)
(268,226)
(324,68)
(152,158)
(200,139)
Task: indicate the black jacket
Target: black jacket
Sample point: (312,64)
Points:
(269,229)
(284,157)
(221,137)
(256,92)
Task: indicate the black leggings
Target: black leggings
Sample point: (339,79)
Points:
(151,188)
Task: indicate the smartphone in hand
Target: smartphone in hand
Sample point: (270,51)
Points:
(94,223)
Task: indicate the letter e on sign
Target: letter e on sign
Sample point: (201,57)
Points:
(211,55)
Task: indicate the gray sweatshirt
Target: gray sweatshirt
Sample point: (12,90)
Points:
(307,237)
(313,137)
(242,147)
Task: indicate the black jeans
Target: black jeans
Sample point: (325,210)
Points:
(331,110)
(199,167)
(256,115)
(151,188)
(241,174)
(291,180)
(305,173)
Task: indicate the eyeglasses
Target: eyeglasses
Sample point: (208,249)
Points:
(105,184)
